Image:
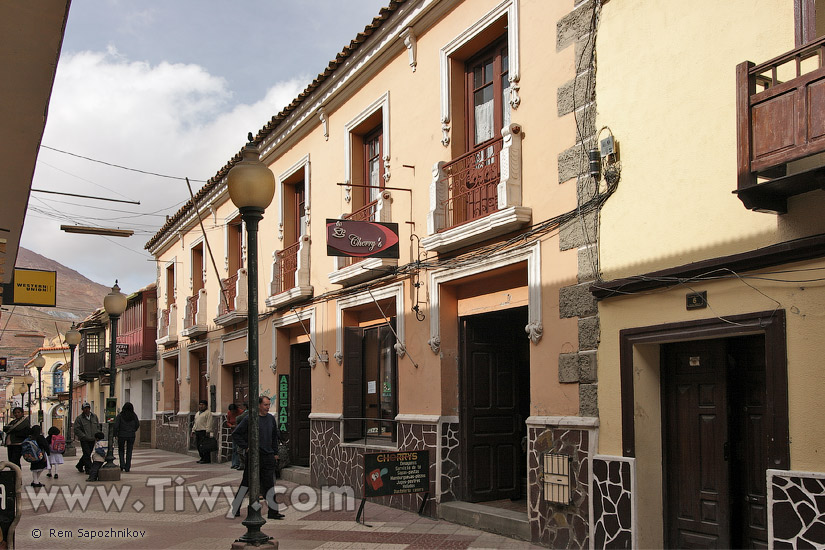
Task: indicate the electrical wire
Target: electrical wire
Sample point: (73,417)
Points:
(119,166)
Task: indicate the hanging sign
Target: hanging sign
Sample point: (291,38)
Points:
(111,410)
(359,239)
(122,350)
(31,287)
(283,402)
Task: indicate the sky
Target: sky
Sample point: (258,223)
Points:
(168,87)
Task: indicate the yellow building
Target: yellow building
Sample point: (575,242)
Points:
(710,286)
(49,389)
(457,128)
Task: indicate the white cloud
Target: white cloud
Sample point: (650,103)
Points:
(168,118)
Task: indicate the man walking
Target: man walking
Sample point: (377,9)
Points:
(17,430)
(199,428)
(86,425)
(268,437)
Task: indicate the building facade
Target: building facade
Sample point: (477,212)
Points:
(710,293)
(477,343)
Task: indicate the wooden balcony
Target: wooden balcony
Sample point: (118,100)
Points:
(168,326)
(138,330)
(89,364)
(780,111)
(232,307)
(477,196)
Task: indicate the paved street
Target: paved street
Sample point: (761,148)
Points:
(169,501)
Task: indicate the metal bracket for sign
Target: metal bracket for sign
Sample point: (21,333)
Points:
(360,511)
(412,223)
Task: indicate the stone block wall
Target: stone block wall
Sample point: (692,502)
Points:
(334,464)
(558,525)
(796,509)
(577,98)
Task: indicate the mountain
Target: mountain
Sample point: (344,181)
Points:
(23,328)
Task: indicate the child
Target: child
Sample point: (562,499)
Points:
(97,457)
(57,444)
(38,466)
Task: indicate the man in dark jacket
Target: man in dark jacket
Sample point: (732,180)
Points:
(85,427)
(16,431)
(268,438)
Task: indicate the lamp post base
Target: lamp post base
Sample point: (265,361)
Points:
(71,450)
(109,472)
(266,545)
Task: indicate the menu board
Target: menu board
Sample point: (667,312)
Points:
(396,473)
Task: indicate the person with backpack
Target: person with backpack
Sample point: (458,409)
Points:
(56,448)
(34,452)
(98,457)
(126,424)
(16,431)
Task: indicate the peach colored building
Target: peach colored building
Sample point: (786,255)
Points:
(459,125)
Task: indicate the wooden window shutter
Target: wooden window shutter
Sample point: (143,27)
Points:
(353,382)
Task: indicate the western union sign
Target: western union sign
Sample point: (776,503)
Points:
(31,287)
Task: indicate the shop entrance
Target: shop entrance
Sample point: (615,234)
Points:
(495,403)
(300,403)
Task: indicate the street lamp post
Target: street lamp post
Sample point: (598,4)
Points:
(29,380)
(73,339)
(115,304)
(39,362)
(251,187)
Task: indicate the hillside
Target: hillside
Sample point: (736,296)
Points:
(22,328)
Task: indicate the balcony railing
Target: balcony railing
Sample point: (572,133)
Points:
(227,302)
(289,281)
(168,326)
(478,195)
(780,108)
(366,213)
(194,318)
(163,326)
(471,181)
(287,266)
(191,312)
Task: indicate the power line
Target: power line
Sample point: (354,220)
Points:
(118,165)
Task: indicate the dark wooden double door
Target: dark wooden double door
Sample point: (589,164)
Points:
(716,443)
(495,403)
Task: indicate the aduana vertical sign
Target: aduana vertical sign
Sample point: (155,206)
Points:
(283,403)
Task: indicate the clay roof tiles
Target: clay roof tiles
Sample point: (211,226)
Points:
(275,121)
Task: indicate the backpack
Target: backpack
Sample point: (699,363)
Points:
(32,451)
(58,444)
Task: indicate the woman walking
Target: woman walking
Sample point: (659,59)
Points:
(126,424)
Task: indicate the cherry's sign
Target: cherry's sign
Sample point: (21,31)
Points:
(362,239)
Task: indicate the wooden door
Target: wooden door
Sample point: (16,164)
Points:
(749,446)
(717,443)
(240,383)
(696,443)
(491,401)
(300,399)
(203,383)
